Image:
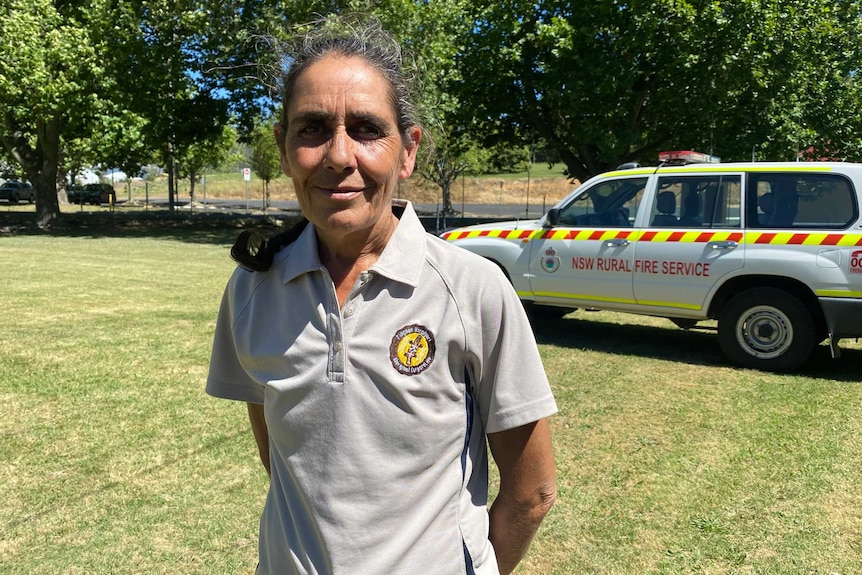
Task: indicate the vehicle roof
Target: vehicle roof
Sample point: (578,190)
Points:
(841,167)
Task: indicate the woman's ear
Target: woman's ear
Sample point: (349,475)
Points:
(280,132)
(411,147)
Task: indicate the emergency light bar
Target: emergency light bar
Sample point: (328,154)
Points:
(687,157)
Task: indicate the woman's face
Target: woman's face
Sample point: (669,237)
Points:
(342,147)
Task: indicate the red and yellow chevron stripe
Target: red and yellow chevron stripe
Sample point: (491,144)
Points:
(670,236)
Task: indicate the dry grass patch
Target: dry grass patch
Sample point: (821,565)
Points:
(490,190)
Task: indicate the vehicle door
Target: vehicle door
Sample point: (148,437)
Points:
(586,258)
(692,239)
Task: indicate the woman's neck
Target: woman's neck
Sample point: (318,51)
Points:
(348,256)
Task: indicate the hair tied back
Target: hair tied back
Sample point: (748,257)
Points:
(255,252)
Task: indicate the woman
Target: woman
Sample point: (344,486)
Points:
(375,359)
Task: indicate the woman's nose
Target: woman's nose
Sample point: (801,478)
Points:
(339,155)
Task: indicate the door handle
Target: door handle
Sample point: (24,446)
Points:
(616,243)
(723,245)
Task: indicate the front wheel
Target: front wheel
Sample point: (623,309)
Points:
(766,328)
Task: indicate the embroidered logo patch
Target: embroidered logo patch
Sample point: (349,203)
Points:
(412,349)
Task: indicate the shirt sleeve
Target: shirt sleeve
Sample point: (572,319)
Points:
(227,378)
(512,386)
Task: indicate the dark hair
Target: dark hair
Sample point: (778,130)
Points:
(254,251)
(353,36)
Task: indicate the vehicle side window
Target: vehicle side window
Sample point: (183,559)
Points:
(706,201)
(613,203)
(800,201)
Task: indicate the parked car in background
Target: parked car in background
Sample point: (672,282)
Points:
(95,194)
(13,192)
(74,193)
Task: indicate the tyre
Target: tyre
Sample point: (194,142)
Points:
(766,328)
(14,199)
(31,199)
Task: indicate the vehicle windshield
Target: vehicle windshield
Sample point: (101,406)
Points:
(613,203)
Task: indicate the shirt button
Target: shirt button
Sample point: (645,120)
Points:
(337,346)
(349,311)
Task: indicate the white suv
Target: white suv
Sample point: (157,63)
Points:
(773,251)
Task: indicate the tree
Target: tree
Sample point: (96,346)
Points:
(193,159)
(608,82)
(62,101)
(265,158)
(110,140)
(442,165)
(51,83)
(167,47)
(430,32)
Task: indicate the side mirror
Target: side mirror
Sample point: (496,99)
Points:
(553,218)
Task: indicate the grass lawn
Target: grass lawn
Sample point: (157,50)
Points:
(113,460)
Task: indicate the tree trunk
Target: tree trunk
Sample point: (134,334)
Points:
(170,170)
(192,178)
(44,179)
(40,164)
(446,189)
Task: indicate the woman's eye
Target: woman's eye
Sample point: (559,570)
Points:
(312,130)
(367,132)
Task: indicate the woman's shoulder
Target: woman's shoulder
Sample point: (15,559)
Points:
(459,264)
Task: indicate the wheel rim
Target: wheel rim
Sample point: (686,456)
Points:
(764,332)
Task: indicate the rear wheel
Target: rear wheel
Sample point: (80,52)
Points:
(14,199)
(766,328)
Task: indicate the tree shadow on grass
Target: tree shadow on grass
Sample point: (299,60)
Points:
(697,346)
(206,228)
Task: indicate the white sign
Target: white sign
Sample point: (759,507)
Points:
(246,174)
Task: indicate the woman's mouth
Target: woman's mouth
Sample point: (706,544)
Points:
(342,194)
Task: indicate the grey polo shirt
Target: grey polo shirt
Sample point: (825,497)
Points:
(377,411)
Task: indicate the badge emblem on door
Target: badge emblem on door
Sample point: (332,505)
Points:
(550,261)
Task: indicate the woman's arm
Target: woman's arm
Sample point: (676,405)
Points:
(261,434)
(527,489)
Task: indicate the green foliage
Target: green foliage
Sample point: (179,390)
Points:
(598,83)
(51,81)
(506,159)
(265,158)
(48,64)
(604,82)
(204,153)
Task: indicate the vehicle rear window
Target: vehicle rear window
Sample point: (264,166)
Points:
(803,200)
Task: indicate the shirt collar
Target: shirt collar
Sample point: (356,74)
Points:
(300,257)
(402,258)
